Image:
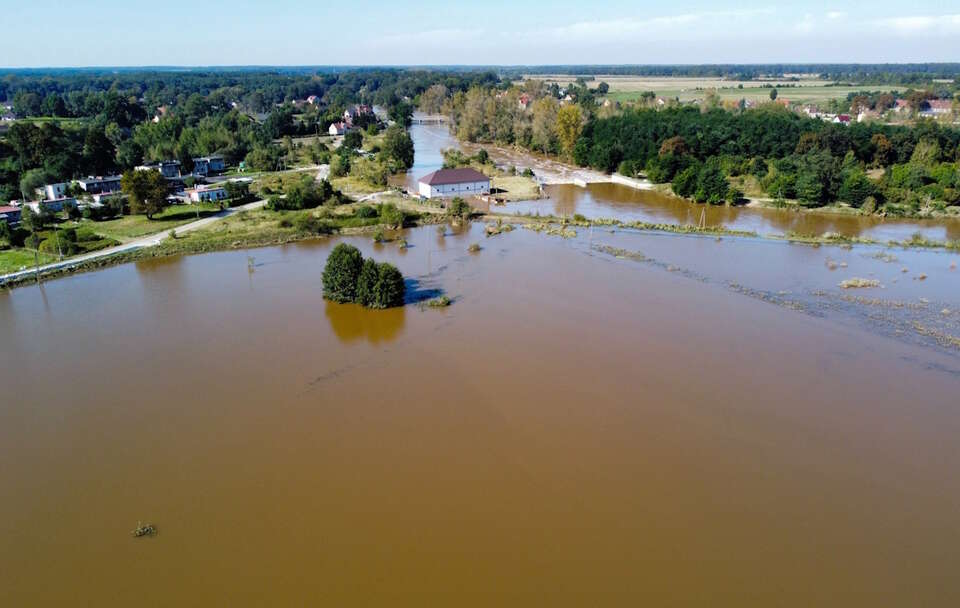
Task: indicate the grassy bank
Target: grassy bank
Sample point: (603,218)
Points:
(131,227)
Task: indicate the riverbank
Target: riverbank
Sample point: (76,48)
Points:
(551,171)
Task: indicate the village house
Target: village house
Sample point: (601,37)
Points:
(351,114)
(937,107)
(454,182)
(52,192)
(203,194)
(99,185)
(53,206)
(169,168)
(338,128)
(524,101)
(208,165)
(10,215)
(313,100)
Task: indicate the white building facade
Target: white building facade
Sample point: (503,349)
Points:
(454,182)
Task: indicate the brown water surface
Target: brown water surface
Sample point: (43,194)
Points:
(575,429)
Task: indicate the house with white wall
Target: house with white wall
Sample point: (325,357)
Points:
(454,182)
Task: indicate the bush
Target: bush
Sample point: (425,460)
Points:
(308,223)
(339,166)
(459,208)
(366,212)
(390,215)
(341,273)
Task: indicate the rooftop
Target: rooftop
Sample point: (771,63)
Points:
(453,176)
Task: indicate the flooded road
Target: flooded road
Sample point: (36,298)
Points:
(692,426)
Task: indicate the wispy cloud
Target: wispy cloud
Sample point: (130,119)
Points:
(921,24)
(625,27)
(835,15)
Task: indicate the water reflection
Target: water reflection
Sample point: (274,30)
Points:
(351,323)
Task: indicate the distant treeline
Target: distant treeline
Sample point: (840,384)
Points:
(256,90)
(878,73)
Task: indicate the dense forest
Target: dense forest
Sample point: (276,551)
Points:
(94,122)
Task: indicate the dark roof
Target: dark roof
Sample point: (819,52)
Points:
(453,176)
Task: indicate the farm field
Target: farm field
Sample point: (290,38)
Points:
(629,88)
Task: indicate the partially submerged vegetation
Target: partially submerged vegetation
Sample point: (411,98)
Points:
(348,278)
(859,283)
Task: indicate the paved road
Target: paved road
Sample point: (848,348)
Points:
(150,240)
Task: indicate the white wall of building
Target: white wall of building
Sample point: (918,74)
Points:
(464,189)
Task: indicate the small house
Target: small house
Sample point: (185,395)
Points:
(52,191)
(338,128)
(10,215)
(100,184)
(204,194)
(208,165)
(454,182)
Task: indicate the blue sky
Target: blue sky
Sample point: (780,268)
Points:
(283,32)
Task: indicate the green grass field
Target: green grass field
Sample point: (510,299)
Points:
(629,88)
(12,260)
(129,227)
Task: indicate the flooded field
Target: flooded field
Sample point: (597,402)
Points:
(608,200)
(614,201)
(617,418)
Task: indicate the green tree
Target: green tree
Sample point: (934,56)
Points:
(339,165)
(773,94)
(856,188)
(398,147)
(341,273)
(146,191)
(31,181)
(390,289)
(353,139)
(367,283)
(569,125)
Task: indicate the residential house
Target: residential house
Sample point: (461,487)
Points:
(901,105)
(313,100)
(843,119)
(52,192)
(338,128)
(454,182)
(169,168)
(53,206)
(351,114)
(208,165)
(206,194)
(161,113)
(10,215)
(100,184)
(937,107)
(524,101)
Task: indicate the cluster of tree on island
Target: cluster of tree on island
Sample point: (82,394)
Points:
(348,278)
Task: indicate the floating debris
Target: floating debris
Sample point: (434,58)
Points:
(920,277)
(143,529)
(474,248)
(859,283)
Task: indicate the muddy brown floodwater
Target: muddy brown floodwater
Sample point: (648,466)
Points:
(714,423)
